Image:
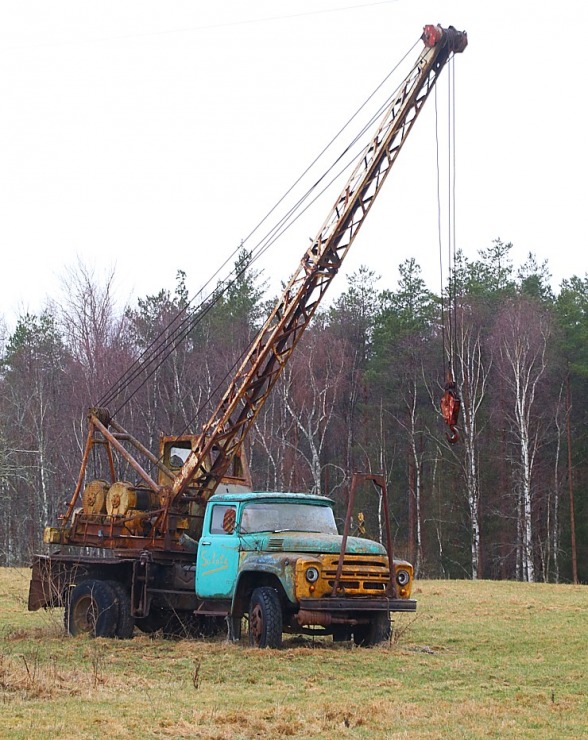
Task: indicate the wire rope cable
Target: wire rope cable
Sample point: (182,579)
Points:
(185,320)
(452,206)
(447,292)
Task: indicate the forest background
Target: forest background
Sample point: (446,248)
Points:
(361,393)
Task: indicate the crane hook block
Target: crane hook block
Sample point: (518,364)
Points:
(450,404)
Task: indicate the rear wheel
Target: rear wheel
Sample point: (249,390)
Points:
(92,609)
(181,625)
(265,618)
(187,625)
(154,621)
(126,623)
(377,631)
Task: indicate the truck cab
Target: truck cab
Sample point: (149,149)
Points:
(275,557)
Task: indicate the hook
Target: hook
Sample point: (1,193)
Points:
(450,404)
(454,436)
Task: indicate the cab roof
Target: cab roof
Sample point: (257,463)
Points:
(302,498)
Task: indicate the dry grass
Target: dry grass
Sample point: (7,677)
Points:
(479,660)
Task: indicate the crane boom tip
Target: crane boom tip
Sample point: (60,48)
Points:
(435,34)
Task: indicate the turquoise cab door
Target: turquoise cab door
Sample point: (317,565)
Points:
(217,562)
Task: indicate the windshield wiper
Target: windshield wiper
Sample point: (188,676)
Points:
(303,531)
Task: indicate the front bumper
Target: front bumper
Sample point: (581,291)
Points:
(358,604)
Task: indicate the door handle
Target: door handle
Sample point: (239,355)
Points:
(204,543)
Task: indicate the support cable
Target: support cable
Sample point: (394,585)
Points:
(451,400)
(185,321)
(452,211)
(440,240)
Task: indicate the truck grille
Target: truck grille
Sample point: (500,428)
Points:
(360,574)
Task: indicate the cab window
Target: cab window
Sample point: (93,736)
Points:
(178,455)
(223,519)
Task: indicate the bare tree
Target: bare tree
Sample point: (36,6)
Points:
(92,327)
(410,421)
(313,383)
(272,449)
(521,337)
(472,377)
(550,551)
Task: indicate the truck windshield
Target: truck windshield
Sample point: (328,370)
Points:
(286,517)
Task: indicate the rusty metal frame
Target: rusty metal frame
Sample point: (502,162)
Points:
(99,434)
(380,482)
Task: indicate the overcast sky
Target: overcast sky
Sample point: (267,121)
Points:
(151,136)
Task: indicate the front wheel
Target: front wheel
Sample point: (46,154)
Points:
(377,631)
(234,624)
(265,618)
(341,633)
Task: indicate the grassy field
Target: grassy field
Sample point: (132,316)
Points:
(481,659)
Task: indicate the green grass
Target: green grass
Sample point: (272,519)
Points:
(480,659)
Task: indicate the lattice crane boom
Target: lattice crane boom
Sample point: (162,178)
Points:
(224,432)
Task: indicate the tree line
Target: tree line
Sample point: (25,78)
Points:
(360,393)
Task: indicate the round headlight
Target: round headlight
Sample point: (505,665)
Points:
(312,575)
(402,577)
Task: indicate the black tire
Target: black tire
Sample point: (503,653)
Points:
(154,621)
(182,625)
(212,626)
(125,625)
(265,618)
(175,626)
(376,632)
(341,633)
(92,609)
(187,625)
(234,625)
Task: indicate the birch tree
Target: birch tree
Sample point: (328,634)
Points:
(522,333)
(472,370)
(312,386)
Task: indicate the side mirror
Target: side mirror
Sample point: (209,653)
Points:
(230,520)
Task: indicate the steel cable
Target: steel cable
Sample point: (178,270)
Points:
(185,321)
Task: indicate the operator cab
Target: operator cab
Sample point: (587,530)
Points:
(174,451)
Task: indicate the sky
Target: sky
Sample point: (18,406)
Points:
(147,137)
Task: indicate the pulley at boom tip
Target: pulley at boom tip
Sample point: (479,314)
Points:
(455,40)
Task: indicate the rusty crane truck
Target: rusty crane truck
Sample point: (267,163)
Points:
(195,547)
